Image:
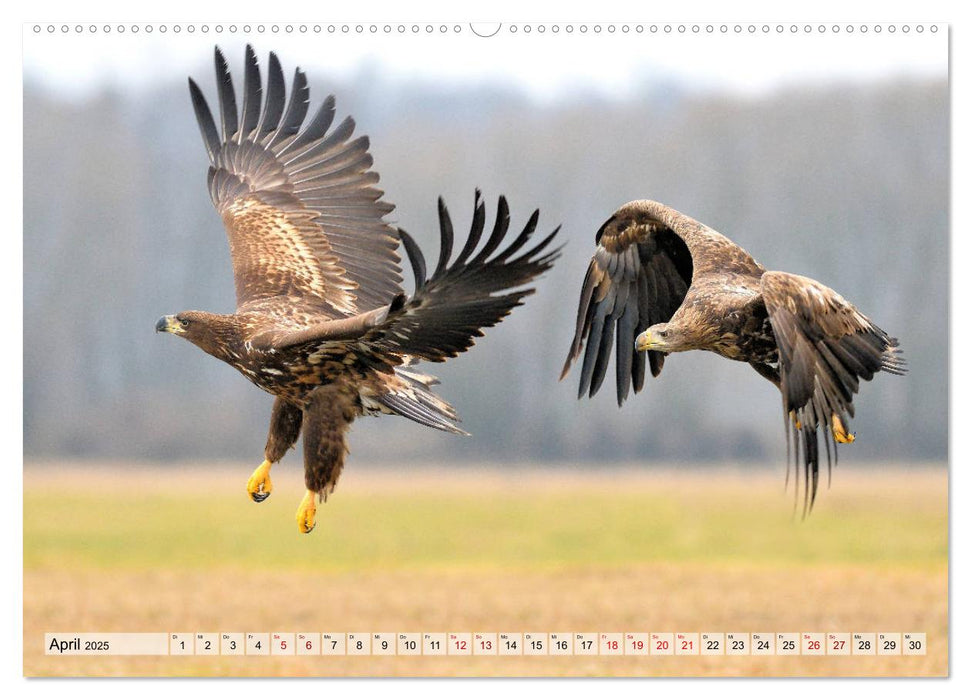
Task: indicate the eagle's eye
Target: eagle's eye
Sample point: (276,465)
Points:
(184,322)
(662,334)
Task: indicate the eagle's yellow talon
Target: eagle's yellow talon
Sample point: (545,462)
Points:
(839,432)
(259,485)
(307,512)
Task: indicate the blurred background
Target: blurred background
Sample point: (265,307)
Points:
(823,157)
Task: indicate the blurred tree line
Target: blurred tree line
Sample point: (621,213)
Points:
(847,183)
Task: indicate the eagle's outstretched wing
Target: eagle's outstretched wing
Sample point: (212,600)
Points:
(825,347)
(298,201)
(449,309)
(646,259)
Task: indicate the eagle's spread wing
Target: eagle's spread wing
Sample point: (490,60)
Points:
(635,279)
(298,202)
(826,347)
(646,258)
(443,318)
(449,309)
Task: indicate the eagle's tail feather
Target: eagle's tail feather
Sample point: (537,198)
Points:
(415,400)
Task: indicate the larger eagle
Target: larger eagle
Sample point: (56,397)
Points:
(321,319)
(662,283)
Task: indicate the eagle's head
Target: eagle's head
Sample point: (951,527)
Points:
(213,333)
(663,337)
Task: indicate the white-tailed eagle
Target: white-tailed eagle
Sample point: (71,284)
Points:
(321,319)
(661,282)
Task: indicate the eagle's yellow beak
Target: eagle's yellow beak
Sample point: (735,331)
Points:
(644,341)
(168,324)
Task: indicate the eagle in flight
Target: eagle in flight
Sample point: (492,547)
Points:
(321,319)
(665,283)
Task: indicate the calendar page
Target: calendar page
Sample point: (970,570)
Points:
(417,243)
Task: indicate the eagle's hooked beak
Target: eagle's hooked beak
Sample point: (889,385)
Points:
(644,341)
(168,324)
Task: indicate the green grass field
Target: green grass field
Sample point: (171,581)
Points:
(138,549)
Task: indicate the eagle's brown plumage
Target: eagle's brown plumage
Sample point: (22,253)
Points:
(662,282)
(321,320)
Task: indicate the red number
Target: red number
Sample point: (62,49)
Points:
(662,644)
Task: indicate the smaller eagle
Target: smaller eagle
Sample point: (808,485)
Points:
(663,282)
(321,319)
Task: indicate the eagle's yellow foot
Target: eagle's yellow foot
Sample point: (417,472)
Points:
(307,512)
(259,485)
(839,431)
(795,420)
